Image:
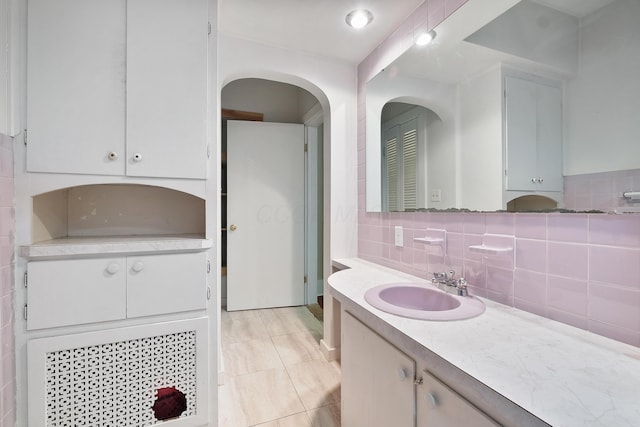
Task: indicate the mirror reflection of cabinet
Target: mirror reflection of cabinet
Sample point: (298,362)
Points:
(510,141)
(533,134)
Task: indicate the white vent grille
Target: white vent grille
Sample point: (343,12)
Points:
(115,384)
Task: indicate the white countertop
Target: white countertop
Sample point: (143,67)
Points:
(113,245)
(563,375)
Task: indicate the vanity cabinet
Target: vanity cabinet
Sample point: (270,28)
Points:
(533,134)
(439,405)
(79,291)
(377,379)
(383,386)
(117,87)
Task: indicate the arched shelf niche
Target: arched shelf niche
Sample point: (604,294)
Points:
(115,218)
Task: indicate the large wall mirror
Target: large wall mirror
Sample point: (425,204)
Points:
(510,100)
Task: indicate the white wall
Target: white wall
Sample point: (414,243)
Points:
(602,101)
(480,167)
(279,102)
(387,87)
(334,85)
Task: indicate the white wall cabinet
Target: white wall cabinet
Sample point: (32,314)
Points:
(79,291)
(533,134)
(117,88)
(377,379)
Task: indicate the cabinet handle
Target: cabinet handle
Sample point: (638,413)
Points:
(233,227)
(113,268)
(540,180)
(432,399)
(534,180)
(402,374)
(112,155)
(137,157)
(137,266)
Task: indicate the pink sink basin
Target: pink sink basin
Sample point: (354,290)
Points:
(422,302)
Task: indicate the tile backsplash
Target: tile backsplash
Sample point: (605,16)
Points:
(601,191)
(579,269)
(7,258)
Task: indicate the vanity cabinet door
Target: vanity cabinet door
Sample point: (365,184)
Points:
(377,379)
(73,292)
(160,284)
(440,406)
(533,126)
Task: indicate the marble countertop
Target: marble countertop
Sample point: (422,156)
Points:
(563,375)
(71,247)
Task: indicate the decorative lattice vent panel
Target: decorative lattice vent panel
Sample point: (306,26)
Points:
(115,384)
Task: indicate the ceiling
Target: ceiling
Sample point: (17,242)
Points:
(314,26)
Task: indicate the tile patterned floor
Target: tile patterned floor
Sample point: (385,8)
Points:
(275,374)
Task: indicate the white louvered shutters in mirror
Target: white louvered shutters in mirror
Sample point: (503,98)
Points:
(400,177)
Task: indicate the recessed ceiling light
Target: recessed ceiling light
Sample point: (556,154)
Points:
(359,18)
(425,38)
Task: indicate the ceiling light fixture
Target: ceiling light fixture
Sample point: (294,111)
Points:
(425,38)
(359,18)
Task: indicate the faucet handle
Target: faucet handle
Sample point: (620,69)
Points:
(461,286)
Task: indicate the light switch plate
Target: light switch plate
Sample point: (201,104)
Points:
(399,236)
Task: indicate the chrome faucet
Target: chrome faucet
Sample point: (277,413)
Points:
(446,282)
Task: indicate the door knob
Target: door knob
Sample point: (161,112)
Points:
(233,227)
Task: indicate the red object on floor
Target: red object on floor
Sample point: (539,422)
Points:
(171,403)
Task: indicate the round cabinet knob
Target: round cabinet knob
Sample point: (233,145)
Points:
(113,268)
(137,266)
(137,157)
(233,227)
(112,155)
(432,399)
(402,374)
(534,180)
(540,180)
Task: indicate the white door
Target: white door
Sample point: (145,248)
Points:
(265,215)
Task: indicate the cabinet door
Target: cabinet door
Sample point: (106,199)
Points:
(167,88)
(76,86)
(438,405)
(72,292)
(160,284)
(549,146)
(533,125)
(377,379)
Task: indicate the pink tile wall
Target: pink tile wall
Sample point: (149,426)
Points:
(579,269)
(600,191)
(7,227)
